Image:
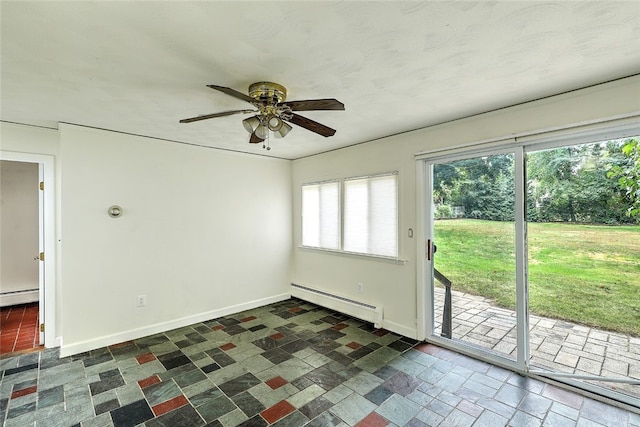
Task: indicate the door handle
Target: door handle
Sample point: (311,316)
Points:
(431,249)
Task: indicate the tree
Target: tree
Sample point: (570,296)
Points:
(571,184)
(484,186)
(598,198)
(444,177)
(628,176)
(596,183)
(551,178)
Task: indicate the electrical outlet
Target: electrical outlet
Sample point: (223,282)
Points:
(141,300)
(359,287)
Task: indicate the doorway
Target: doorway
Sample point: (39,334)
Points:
(476,291)
(44,257)
(20,246)
(523,246)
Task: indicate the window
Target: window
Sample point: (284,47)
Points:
(321,215)
(369,213)
(371,216)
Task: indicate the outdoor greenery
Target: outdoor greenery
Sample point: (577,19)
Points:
(628,175)
(591,183)
(583,216)
(585,274)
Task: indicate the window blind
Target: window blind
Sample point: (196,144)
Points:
(321,215)
(371,215)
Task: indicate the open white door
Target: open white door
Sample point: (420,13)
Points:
(41,281)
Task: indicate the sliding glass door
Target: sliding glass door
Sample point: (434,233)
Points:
(584,266)
(531,260)
(472,253)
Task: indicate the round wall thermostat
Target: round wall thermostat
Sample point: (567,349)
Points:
(115,211)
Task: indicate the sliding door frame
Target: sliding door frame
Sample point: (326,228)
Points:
(426,320)
(538,144)
(519,145)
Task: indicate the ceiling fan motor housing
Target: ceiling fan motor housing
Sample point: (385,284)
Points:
(268,93)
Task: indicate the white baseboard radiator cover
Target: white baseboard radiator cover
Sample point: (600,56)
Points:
(19,297)
(358,309)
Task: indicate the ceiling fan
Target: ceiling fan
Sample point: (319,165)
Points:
(273,111)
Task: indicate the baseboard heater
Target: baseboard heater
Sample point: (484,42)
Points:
(18,297)
(358,309)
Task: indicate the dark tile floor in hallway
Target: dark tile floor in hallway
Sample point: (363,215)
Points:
(286,364)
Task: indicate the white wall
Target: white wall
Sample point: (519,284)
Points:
(19,236)
(394,286)
(204,232)
(28,139)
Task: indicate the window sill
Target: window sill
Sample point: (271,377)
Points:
(382,258)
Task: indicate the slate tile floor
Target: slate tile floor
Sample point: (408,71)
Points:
(287,364)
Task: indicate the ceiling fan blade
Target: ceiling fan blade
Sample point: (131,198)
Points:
(255,139)
(311,125)
(233,93)
(315,104)
(211,116)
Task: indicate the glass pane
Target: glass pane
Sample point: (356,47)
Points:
(474,234)
(584,263)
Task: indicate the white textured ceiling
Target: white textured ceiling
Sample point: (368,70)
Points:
(139,67)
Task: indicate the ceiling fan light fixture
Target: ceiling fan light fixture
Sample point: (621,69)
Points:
(251,124)
(262,131)
(283,131)
(275,123)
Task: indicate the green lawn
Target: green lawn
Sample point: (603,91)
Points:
(584,274)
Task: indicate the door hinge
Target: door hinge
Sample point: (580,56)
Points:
(41,256)
(41,327)
(42,185)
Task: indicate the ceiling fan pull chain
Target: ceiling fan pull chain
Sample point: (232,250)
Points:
(267,146)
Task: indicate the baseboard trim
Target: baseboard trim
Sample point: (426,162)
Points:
(400,329)
(107,340)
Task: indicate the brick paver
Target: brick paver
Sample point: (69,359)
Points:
(554,344)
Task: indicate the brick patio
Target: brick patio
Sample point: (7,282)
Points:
(555,344)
